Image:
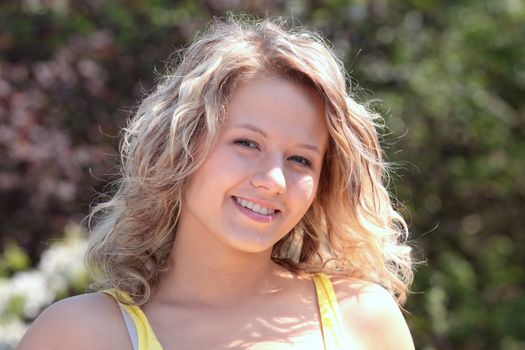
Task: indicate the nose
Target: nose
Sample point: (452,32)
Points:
(270,177)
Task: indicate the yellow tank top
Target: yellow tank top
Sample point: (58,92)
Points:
(143,337)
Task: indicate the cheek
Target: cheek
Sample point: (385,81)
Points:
(219,165)
(307,187)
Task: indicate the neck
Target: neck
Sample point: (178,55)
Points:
(216,275)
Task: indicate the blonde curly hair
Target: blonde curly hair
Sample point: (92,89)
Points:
(350,229)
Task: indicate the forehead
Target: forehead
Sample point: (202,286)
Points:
(272,94)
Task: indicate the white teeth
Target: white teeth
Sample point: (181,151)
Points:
(255,207)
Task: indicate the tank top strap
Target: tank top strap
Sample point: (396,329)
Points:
(141,334)
(331,320)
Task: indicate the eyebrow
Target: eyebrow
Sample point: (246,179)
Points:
(261,132)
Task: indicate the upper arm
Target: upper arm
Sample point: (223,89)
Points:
(372,316)
(90,321)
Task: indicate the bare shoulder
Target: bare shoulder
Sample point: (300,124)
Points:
(372,315)
(88,321)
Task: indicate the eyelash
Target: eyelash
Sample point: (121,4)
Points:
(252,144)
(247,143)
(302,161)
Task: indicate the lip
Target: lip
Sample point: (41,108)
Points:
(256,216)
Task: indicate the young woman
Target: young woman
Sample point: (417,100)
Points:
(251,212)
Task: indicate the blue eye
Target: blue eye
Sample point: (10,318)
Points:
(246,143)
(301,160)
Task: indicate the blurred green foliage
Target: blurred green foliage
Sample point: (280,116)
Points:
(450,78)
(13,259)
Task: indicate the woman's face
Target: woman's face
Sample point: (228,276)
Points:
(262,175)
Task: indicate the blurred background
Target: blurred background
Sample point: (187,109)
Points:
(448,76)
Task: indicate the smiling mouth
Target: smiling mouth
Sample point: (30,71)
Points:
(256,208)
